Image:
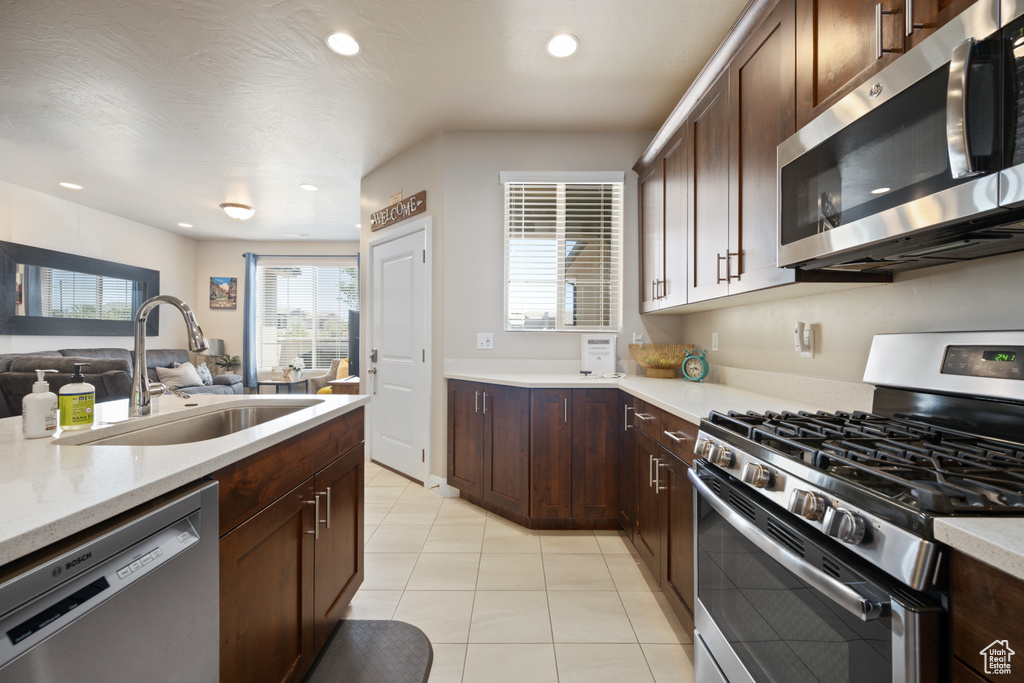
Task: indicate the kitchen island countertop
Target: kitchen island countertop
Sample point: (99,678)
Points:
(50,491)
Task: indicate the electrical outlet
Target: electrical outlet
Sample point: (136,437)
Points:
(484,340)
(638,337)
(714,341)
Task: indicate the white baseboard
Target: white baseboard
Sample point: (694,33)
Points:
(439,485)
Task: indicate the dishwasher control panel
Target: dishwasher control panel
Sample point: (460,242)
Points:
(106,575)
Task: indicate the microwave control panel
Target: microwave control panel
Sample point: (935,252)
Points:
(1004,362)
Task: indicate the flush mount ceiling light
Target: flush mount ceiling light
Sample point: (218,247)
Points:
(185,225)
(240,212)
(308,187)
(71,186)
(562,44)
(342,43)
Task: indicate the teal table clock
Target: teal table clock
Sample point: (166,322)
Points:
(695,366)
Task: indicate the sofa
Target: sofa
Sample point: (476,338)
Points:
(109,370)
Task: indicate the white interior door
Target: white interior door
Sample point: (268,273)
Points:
(399,376)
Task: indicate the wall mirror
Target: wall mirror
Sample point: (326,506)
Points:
(50,292)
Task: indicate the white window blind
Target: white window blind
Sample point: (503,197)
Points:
(563,256)
(302,307)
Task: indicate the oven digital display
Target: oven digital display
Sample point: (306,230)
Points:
(980,361)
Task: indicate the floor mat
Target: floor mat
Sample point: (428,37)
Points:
(372,651)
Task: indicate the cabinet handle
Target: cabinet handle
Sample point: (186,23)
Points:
(650,468)
(476,401)
(326,493)
(728,265)
(908,8)
(657,479)
(645,417)
(485,403)
(315,533)
(565,415)
(654,290)
(677,439)
(879,12)
(625,416)
(718,270)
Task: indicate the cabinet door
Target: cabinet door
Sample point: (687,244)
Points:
(652,236)
(929,15)
(595,451)
(673,288)
(763,101)
(551,458)
(506,447)
(266,593)
(648,514)
(708,230)
(986,605)
(339,542)
(465,437)
(836,49)
(627,467)
(677,552)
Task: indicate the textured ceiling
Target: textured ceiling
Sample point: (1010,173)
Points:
(163,109)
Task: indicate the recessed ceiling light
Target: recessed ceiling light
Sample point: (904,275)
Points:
(342,43)
(308,187)
(562,44)
(359,225)
(71,186)
(880,190)
(185,225)
(240,212)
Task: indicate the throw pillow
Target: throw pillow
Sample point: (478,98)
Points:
(203,372)
(177,378)
(342,369)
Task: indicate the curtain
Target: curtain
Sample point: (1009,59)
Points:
(249,322)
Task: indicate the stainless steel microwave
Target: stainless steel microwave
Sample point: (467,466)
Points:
(922,165)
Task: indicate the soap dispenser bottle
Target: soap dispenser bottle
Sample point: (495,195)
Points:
(76,401)
(39,409)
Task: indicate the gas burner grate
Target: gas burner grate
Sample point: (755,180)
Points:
(919,464)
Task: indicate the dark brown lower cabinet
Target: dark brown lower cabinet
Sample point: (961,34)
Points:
(677,558)
(574,455)
(986,608)
(648,530)
(627,465)
(290,565)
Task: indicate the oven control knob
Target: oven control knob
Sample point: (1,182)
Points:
(720,455)
(700,449)
(847,526)
(807,504)
(757,475)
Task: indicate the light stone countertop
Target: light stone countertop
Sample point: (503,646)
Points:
(50,491)
(998,541)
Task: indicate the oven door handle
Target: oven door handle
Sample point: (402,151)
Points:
(853,602)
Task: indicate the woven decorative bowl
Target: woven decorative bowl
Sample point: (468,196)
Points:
(660,360)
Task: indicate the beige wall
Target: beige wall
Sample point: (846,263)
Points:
(976,295)
(39,220)
(224,259)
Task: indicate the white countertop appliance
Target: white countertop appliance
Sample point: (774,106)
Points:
(815,530)
(597,353)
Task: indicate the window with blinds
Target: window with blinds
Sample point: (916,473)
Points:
(302,309)
(563,256)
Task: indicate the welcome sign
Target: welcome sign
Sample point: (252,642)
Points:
(399,211)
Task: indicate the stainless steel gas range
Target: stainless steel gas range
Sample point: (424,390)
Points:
(816,558)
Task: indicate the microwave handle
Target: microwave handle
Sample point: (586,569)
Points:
(956,111)
(865,609)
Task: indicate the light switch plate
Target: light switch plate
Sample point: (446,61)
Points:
(485,340)
(714,341)
(638,337)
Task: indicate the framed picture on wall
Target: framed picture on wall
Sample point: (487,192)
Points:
(223,292)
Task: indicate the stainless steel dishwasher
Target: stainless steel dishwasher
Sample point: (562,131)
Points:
(134,598)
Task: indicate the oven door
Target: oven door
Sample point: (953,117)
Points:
(887,176)
(776,604)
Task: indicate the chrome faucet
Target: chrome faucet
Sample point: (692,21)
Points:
(140,397)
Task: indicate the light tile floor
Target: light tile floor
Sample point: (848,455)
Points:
(502,603)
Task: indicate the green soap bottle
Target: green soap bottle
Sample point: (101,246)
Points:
(76,400)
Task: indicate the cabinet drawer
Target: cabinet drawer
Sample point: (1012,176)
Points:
(678,436)
(647,418)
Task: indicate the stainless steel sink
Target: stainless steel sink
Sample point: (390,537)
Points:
(199,427)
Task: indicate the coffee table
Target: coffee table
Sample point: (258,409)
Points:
(278,383)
